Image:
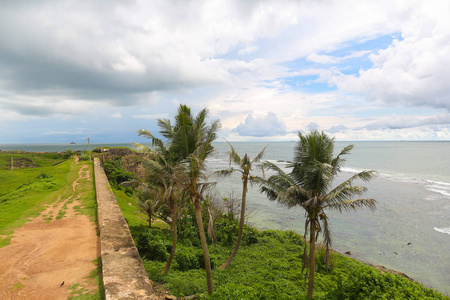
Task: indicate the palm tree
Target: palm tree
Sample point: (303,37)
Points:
(165,178)
(309,185)
(245,165)
(189,142)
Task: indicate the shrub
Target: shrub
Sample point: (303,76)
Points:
(366,283)
(152,245)
(188,258)
(226,230)
(320,258)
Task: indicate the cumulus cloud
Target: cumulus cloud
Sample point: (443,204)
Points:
(414,70)
(261,126)
(89,58)
(312,126)
(113,51)
(337,128)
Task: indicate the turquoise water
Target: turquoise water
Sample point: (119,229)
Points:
(412,193)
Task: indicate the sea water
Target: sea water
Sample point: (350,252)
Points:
(410,229)
(408,232)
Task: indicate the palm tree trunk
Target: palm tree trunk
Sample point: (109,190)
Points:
(174,242)
(149,213)
(312,262)
(198,216)
(241,227)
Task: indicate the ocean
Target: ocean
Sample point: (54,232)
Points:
(408,232)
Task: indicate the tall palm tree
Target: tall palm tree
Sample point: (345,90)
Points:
(309,185)
(245,164)
(189,142)
(165,177)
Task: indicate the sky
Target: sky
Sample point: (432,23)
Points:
(357,70)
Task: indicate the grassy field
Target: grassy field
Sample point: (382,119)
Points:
(42,181)
(24,192)
(267,268)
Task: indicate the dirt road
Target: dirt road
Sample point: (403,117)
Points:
(46,252)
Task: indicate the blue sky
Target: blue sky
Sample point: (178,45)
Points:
(358,70)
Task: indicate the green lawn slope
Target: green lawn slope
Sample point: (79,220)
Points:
(268,265)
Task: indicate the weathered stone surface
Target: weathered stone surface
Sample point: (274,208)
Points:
(124,275)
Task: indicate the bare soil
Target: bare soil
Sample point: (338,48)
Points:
(47,256)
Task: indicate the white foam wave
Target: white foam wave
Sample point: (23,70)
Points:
(442,188)
(439,183)
(443,230)
(351,170)
(439,191)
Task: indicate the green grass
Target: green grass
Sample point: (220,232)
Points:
(17,286)
(271,269)
(46,159)
(24,193)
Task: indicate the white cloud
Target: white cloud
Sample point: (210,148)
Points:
(327,59)
(400,122)
(322,59)
(247,50)
(151,116)
(261,126)
(413,71)
(239,58)
(312,126)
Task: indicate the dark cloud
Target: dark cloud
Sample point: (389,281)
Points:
(268,125)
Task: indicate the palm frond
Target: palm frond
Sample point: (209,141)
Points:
(166,128)
(233,155)
(224,173)
(260,155)
(338,161)
(353,204)
(365,176)
(343,194)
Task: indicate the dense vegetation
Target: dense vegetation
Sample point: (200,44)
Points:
(270,264)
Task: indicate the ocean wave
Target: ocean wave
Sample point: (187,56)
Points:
(443,230)
(439,191)
(442,188)
(439,183)
(351,170)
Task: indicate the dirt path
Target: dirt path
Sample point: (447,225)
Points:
(47,251)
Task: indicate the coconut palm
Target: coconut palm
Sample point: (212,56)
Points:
(165,178)
(245,164)
(309,185)
(189,142)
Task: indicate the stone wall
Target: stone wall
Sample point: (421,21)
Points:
(124,275)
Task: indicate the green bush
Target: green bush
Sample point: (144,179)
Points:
(320,259)
(152,245)
(129,191)
(188,258)
(366,283)
(116,174)
(227,231)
